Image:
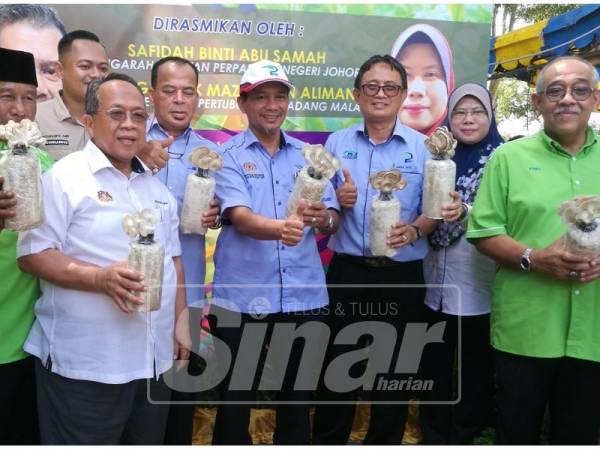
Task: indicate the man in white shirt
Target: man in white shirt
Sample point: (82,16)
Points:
(99,367)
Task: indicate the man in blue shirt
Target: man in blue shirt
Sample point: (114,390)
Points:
(174,96)
(267,265)
(378,143)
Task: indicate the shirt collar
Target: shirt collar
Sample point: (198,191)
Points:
(399,130)
(97,160)
(251,139)
(154,125)
(60,109)
(556,147)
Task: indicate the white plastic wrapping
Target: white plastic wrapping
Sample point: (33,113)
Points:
(440,179)
(306,187)
(582,243)
(312,179)
(384,213)
(199,191)
(23,176)
(581,215)
(148,260)
(146,256)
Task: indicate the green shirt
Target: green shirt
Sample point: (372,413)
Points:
(18,290)
(522,186)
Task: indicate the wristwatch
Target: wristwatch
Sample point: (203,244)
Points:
(418,230)
(330,223)
(525,260)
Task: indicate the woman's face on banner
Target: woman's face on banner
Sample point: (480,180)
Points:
(427,90)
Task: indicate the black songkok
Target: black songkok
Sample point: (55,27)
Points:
(17,67)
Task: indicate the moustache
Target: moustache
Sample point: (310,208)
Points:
(565,110)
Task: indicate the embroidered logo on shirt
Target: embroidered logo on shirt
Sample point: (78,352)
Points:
(249,169)
(406,156)
(104,196)
(535,169)
(350,154)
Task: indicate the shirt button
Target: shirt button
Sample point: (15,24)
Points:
(577,182)
(276,181)
(284,270)
(576,292)
(574,159)
(282,247)
(279,203)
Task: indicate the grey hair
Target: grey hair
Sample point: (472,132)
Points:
(92,100)
(539,84)
(39,16)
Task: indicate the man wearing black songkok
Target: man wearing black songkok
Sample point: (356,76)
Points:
(18,291)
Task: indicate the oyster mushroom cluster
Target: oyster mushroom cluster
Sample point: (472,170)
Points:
(582,211)
(321,162)
(387,181)
(204,159)
(141,224)
(24,133)
(441,144)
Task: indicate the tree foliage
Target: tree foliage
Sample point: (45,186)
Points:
(511,96)
(513,100)
(536,13)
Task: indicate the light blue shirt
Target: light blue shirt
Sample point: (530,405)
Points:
(273,277)
(404,150)
(174,176)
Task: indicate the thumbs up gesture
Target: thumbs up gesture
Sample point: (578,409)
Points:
(346,193)
(155,154)
(293,228)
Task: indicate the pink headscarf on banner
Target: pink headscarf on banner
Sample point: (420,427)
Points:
(423,33)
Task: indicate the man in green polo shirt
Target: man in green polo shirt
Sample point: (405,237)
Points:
(545,300)
(18,291)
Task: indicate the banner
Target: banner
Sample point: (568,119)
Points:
(320,46)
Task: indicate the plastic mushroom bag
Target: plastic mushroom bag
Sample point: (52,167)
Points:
(581,215)
(22,173)
(313,178)
(440,172)
(199,190)
(385,210)
(146,256)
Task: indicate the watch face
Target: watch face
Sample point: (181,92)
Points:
(525,262)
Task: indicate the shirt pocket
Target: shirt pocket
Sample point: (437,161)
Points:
(410,196)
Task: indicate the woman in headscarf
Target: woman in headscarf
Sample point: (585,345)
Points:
(426,55)
(463,302)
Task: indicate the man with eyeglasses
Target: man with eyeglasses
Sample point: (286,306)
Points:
(82,59)
(545,300)
(381,142)
(36,29)
(174,95)
(99,366)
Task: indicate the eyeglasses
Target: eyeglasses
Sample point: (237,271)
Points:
(389,90)
(579,93)
(120,115)
(461,114)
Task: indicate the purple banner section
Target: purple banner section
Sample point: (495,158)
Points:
(220,136)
